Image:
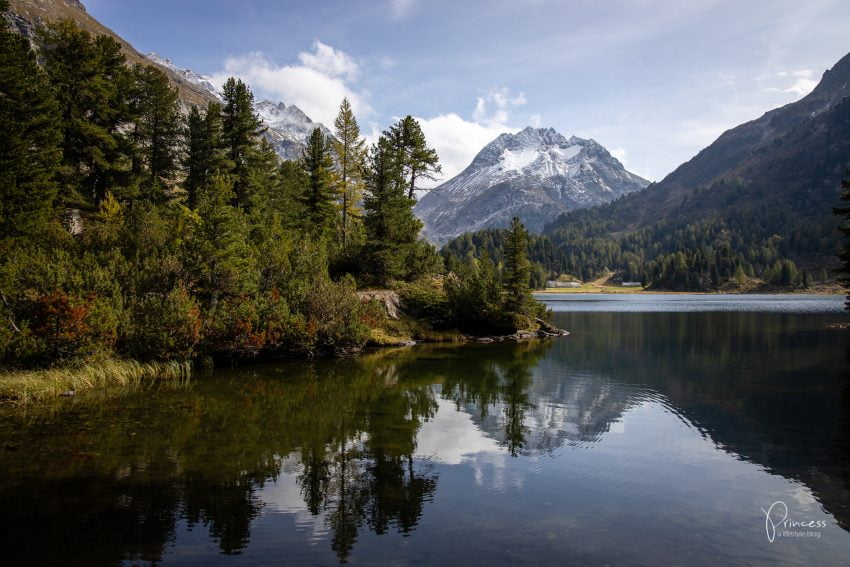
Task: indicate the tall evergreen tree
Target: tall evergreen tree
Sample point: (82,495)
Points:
(418,160)
(263,177)
(29,138)
(157,128)
(241,130)
(391,227)
(92,86)
(350,152)
(319,197)
(203,144)
(517,268)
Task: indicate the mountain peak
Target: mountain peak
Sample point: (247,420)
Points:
(536,174)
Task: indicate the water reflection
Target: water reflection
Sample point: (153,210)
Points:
(315,459)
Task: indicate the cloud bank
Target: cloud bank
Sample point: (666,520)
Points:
(317,85)
(458,140)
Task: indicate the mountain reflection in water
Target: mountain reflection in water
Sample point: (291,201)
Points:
(478,445)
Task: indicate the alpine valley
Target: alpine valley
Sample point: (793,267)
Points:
(754,210)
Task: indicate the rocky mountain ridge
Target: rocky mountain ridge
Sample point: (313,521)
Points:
(287,127)
(535,174)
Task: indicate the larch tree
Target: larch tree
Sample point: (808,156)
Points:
(350,151)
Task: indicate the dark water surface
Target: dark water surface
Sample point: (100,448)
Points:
(655,434)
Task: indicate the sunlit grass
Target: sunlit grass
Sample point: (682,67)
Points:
(35,386)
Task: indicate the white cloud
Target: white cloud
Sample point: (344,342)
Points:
(316,86)
(329,61)
(494,108)
(620,154)
(804,81)
(458,140)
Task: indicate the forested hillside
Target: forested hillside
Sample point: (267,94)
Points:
(129,228)
(755,204)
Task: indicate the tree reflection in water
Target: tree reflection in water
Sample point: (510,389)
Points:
(129,468)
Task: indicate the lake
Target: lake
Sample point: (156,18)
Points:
(666,429)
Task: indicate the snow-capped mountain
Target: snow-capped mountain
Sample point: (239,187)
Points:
(288,128)
(203,81)
(535,174)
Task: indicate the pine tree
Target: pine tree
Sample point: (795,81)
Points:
(391,227)
(29,138)
(319,197)
(92,86)
(263,178)
(517,268)
(220,254)
(417,159)
(350,152)
(287,199)
(241,131)
(204,156)
(157,129)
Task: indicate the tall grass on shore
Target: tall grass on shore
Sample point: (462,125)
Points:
(34,386)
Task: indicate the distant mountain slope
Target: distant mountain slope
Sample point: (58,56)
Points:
(26,15)
(761,194)
(534,174)
(793,156)
(288,127)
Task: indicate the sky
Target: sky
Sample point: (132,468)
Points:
(654,81)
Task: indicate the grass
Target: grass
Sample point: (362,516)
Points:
(27,387)
(751,285)
(394,332)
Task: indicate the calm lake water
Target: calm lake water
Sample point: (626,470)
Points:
(656,433)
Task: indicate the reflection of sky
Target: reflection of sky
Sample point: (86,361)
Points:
(285,496)
(451,437)
(651,485)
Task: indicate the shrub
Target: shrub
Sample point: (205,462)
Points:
(164,326)
(425,299)
(232,326)
(331,319)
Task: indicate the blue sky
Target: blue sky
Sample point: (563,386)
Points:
(653,81)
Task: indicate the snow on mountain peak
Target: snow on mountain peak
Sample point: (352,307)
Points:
(203,81)
(535,174)
(287,127)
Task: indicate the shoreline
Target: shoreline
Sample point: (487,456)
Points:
(621,291)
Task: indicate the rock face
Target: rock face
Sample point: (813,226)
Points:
(25,16)
(535,174)
(287,127)
(389,299)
